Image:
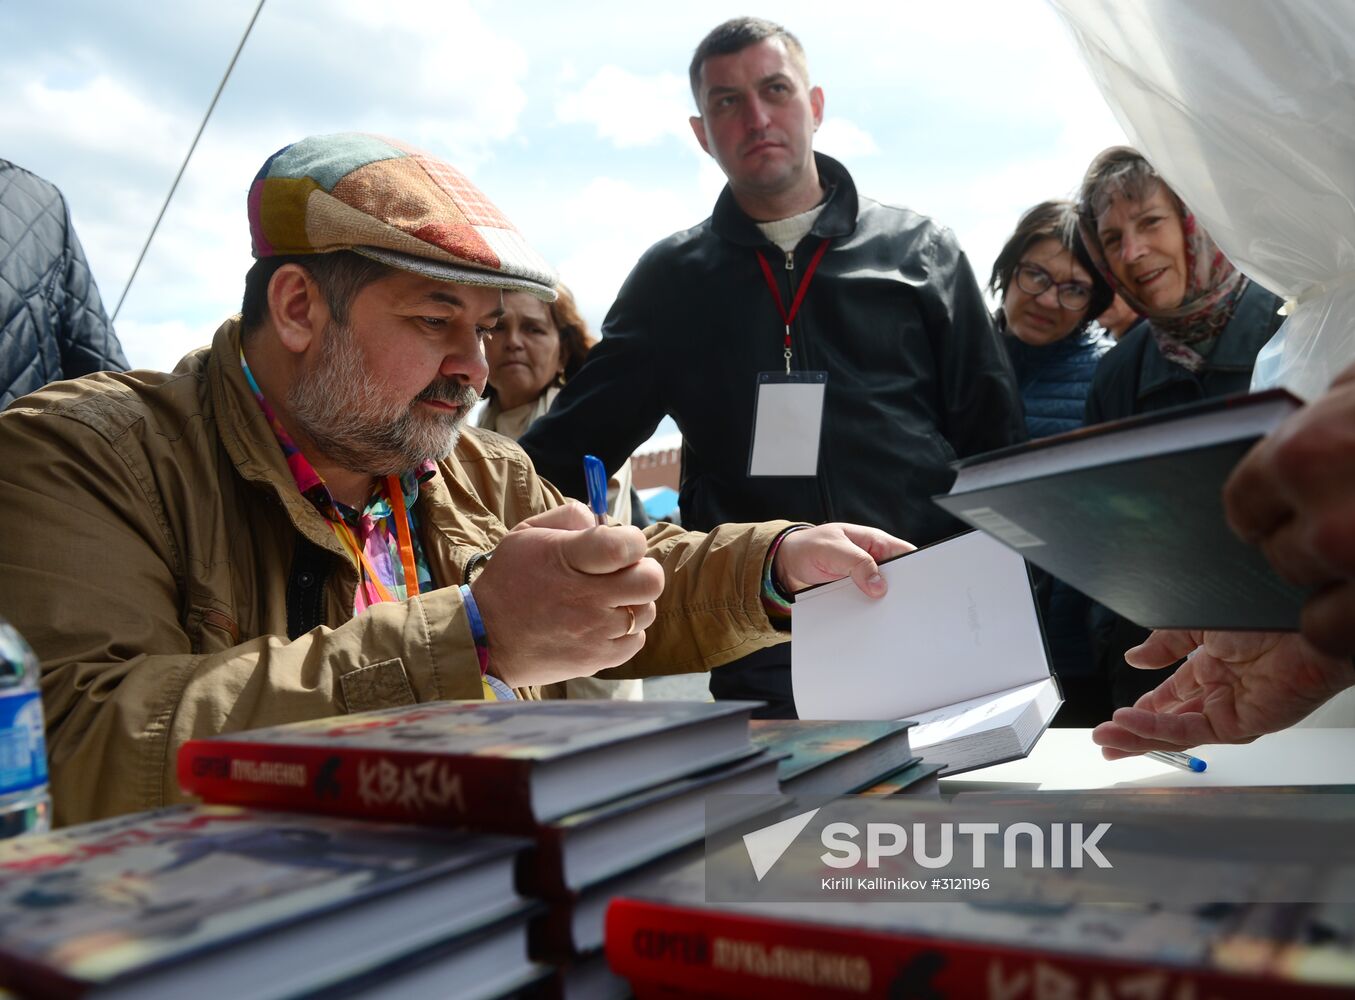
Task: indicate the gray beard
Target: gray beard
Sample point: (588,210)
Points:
(340,407)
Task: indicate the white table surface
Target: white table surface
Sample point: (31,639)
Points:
(1067,760)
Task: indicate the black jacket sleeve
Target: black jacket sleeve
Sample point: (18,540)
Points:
(615,402)
(978,388)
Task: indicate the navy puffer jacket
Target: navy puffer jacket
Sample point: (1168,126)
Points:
(1054,379)
(52,322)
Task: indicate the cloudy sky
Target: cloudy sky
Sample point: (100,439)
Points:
(572,117)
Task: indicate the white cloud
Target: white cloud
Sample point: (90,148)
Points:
(96,115)
(431,72)
(630,110)
(102,125)
(970,111)
(844,139)
(159,346)
(617,221)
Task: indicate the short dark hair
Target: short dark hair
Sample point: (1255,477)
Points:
(1050,220)
(340,275)
(1117,172)
(737,34)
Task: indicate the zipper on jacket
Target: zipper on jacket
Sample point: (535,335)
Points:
(790,297)
(821,480)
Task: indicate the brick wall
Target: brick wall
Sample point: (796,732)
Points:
(656,468)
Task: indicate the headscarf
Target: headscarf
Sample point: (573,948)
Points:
(1213,286)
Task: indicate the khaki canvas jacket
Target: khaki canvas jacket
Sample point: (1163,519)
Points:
(151,526)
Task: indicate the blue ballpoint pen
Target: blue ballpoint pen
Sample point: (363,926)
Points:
(595,476)
(1182,760)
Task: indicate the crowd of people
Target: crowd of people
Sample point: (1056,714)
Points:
(302,519)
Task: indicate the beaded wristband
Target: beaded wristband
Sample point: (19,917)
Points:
(776,603)
(477,628)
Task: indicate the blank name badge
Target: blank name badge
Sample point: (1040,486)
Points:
(787,424)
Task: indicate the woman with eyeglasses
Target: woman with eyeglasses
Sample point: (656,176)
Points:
(1206,322)
(1050,294)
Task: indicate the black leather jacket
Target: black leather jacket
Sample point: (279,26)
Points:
(916,374)
(52,324)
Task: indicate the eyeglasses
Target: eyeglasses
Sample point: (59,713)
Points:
(1035,280)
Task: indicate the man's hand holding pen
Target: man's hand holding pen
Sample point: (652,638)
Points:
(567,595)
(564,597)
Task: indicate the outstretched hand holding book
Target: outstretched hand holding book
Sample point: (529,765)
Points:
(1294,496)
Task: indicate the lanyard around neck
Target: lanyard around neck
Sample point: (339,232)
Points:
(788,316)
(399,514)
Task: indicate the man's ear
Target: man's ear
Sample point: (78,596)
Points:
(816,103)
(297,309)
(698,125)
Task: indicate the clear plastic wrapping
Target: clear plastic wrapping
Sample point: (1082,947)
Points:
(1247,109)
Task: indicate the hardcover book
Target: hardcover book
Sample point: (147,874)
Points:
(1131,513)
(668,940)
(832,758)
(587,847)
(918,778)
(489,963)
(955,645)
(572,926)
(208,902)
(590,978)
(503,766)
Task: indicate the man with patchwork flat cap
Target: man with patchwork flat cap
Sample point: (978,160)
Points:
(291,524)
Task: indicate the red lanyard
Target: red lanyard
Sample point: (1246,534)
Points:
(789,317)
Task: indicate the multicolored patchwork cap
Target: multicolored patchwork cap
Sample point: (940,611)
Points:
(395,204)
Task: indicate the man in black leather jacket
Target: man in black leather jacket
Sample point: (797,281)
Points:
(915,373)
(52,323)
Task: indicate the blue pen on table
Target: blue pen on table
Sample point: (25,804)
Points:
(1182,760)
(595,475)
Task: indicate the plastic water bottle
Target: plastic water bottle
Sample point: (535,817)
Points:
(25,806)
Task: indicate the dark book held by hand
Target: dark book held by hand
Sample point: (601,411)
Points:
(1131,513)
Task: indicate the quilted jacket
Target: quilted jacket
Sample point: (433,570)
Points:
(52,323)
(1054,379)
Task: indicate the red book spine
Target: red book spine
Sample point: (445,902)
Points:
(400,786)
(670,950)
(27,978)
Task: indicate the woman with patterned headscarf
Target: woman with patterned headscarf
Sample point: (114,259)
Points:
(1206,321)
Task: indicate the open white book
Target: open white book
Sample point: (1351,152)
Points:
(956,645)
